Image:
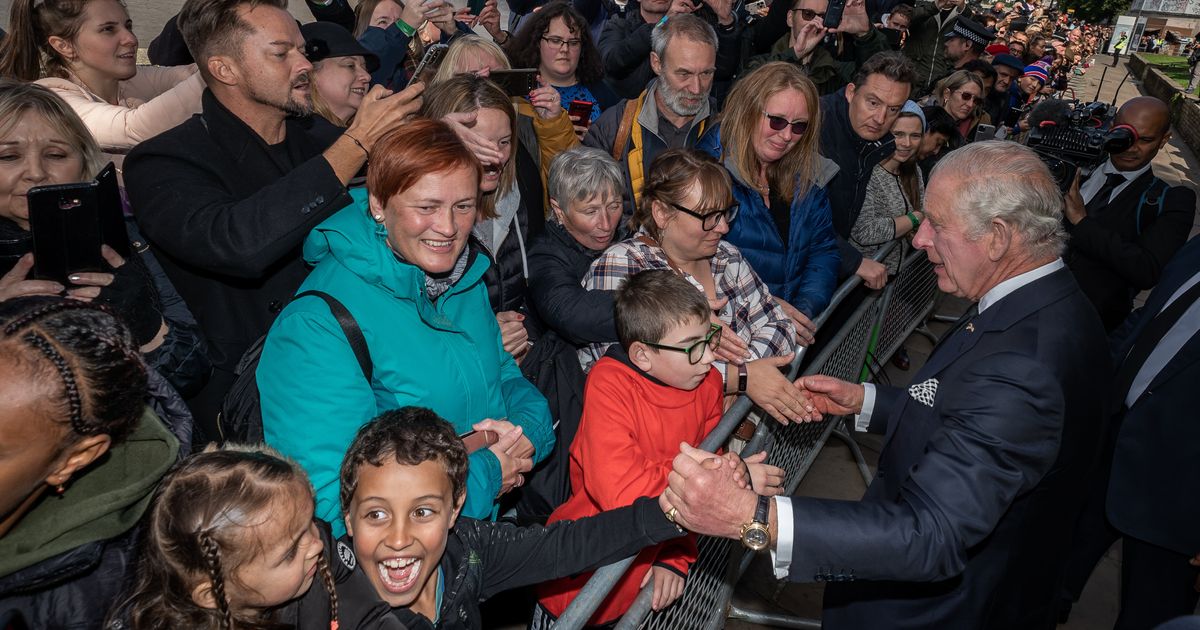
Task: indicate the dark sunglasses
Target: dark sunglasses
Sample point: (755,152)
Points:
(709,221)
(694,352)
(779,122)
(809,15)
(970,98)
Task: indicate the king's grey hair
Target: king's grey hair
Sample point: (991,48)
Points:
(1007,181)
(580,173)
(685,25)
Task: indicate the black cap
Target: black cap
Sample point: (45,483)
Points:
(971,31)
(1011,61)
(325,40)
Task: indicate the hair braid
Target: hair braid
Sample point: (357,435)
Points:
(47,309)
(331,587)
(212,558)
(74,401)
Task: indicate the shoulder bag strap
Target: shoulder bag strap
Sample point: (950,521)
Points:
(358,343)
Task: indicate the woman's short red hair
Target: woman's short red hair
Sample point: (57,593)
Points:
(419,147)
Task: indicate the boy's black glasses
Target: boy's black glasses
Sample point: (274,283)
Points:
(709,221)
(779,122)
(695,352)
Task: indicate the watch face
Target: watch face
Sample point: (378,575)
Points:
(756,538)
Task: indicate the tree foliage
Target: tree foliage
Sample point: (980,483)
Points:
(1096,10)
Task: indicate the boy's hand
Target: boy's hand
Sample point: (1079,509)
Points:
(765,479)
(668,586)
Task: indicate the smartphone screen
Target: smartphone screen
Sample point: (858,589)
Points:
(112,213)
(515,82)
(65,222)
(429,64)
(476,6)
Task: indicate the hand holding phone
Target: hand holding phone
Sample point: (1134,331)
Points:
(581,112)
(518,82)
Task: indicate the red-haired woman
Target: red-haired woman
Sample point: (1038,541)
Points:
(400,261)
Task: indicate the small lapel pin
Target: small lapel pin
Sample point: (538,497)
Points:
(971,327)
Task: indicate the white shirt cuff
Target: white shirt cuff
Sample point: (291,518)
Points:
(781,555)
(863,419)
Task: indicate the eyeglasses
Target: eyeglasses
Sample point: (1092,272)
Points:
(709,221)
(558,42)
(779,122)
(694,352)
(968,97)
(809,15)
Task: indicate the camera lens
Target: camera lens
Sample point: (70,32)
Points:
(1118,140)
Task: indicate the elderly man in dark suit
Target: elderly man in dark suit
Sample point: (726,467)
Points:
(981,475)
(1126,223)
(227,197)
(1149,475)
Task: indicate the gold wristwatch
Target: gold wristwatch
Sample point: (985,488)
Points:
(756,534)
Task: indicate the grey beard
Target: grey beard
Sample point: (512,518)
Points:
(674,101)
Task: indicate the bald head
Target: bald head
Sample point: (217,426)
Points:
(1151,118)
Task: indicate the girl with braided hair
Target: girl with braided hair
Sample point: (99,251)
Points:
(80,455)
(231,542)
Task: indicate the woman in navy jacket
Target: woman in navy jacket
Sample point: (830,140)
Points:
(767,139)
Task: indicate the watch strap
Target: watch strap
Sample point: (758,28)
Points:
(743,376)
(762,513)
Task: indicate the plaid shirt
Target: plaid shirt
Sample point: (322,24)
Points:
(751,311)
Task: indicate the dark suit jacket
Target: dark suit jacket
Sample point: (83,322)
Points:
(967,520)
(1117,251)
(1156,465)
(226,216)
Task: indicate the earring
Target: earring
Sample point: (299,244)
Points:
(59,489)
(378,218)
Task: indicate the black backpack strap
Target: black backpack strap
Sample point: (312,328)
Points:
(358,343)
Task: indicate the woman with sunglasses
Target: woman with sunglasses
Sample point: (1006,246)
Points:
(767,139)
(686,208)
(961,95)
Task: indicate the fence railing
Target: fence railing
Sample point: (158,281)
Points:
(874,331)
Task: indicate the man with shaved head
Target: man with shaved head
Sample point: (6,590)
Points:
(1126,223)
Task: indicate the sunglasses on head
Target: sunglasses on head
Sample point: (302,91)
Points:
(778,123)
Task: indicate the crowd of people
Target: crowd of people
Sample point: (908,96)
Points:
(404,308)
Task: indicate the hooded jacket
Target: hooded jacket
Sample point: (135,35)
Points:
(444,354)
(804,270)
(68,559)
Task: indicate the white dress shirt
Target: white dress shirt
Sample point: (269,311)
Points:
(1095,182)
(781,556)
(1169,346)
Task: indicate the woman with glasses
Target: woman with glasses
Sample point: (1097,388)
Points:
(686,208)
(556,41)
(767,139)
(961,95)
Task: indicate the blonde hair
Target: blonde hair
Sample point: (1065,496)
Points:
(16,98)
(793,173)
(469,93)
(320,106)
(460,48)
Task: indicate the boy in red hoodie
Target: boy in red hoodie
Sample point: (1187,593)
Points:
(655,389)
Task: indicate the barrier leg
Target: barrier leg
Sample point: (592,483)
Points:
(844,433)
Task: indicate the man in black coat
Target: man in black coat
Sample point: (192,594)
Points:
(1125,222)
(856,126)
(227,198)
(981,475)
(1149,475)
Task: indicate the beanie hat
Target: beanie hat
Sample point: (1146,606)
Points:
(1038,70)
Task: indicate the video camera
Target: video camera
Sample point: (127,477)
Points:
(1073,137)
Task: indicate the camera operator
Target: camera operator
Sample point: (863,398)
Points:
(1125,223)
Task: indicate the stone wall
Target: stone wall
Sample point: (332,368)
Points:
(1185,112)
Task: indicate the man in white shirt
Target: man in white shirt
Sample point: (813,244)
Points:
(980,480)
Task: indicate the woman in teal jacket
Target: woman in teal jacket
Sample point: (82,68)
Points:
(398,260)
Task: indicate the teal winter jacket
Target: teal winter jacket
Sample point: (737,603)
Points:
(445,355)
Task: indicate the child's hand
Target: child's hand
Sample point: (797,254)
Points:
(766,479)
(668,586)
(741,474)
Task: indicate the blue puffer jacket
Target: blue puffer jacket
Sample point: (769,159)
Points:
(446,356)
(806,273)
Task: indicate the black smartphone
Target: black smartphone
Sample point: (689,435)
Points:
(515,82)
(429,64)
(70,222)
(581,110)
(476,6)
(833,13)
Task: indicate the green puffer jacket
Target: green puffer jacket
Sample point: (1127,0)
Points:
(445,355)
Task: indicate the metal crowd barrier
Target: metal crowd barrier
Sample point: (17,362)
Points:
(876,329)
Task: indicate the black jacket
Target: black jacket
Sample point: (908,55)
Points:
(625,47)
(1122,247)
(557,264)
(856,158)
(505,278)
(226,216)
(485,558)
